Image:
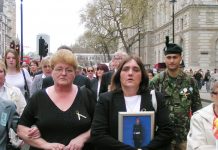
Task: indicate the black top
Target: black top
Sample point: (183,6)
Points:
(106,81)
(104,130)
(54,124)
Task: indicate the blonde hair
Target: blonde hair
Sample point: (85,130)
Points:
(45,61)
(214,87)
(2,65)
(63,56)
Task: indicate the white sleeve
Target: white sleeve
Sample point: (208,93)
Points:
(196,138)
(19,100)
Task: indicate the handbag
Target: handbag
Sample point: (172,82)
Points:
(27,92)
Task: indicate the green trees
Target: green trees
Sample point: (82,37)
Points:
(113,23)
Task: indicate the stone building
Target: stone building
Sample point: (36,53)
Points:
(7,24)
(195,30)
(90,59)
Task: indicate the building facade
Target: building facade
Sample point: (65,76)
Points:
(7,24)
(90,59)
(195,30)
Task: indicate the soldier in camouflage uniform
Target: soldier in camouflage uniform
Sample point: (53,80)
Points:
(181,94)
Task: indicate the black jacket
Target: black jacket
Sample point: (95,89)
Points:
(106,81)
(104,129)
(79,80)
(94,86)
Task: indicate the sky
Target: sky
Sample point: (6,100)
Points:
(60,19)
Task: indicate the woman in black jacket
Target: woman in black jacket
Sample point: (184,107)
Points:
(97,82)
(129,93)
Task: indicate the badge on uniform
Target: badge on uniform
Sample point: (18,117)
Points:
(3,120)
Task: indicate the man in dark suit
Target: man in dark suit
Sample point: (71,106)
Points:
(79,80)
(106,78)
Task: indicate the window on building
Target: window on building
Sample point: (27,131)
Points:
(210,17)
(204,52)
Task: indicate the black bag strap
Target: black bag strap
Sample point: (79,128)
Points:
(25,86)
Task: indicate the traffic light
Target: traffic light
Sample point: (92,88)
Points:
(12,45)
(41,46)
(17,48)
(45,52)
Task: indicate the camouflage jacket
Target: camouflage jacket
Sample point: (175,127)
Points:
(182,98)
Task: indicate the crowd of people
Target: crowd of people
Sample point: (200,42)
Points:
(207,78)
(56,104)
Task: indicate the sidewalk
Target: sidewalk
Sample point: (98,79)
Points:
(204,95)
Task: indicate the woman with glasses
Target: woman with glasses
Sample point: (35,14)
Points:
(46,72)
(202,126)
(90,73)
(62,112)
(96,82)
(33,68)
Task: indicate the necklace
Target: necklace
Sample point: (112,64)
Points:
(133,103)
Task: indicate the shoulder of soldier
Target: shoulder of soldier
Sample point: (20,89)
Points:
(157,79)
(188,78)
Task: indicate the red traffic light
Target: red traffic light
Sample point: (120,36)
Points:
(12,45)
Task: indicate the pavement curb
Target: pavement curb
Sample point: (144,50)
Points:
(206,100)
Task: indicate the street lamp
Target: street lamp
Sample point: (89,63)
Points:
(173,1)
(21,30)
(139,42)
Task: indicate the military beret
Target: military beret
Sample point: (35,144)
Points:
(171,48)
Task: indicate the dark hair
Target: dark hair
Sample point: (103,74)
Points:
(150,71)
(103,67)
(84,69)
(87,68)
(115,81)
(35,62)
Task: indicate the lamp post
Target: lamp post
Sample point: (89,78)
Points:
(139,42)
(173,1)
(21,30)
